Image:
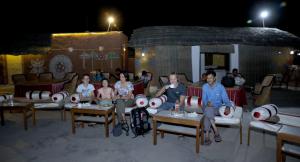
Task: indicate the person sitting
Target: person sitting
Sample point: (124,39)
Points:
(145,77)
(99,75)
(213,96)
(175,92)
(238,77)
(85,89)
(124,96)
(105,94)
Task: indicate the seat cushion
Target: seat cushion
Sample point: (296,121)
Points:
(291,149)
(234,120)
(260,125)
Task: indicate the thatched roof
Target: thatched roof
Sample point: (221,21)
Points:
(197,35)
(19,44)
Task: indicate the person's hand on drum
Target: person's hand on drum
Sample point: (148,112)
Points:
(227,110)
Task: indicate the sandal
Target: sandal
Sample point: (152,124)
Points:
(218,138)
(207,142)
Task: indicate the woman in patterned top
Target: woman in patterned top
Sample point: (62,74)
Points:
(123,95)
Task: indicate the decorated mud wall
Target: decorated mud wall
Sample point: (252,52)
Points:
(86,52)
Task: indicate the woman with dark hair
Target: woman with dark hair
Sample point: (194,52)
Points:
(105,93)
(123,95)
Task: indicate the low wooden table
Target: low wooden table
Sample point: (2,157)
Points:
(108,113)
(286,134)
(25,108)
(45,105)
(182,122)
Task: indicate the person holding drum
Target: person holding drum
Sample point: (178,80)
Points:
(213,96)
(85,89)
(175,92)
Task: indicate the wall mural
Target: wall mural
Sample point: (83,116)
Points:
(96,56)
(60,65)
(37,66)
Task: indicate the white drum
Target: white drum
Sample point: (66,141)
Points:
(156,102)
(193,101)
(141,100)
(75,98)
(57,97)
(38,95)
(222,112)
(4,97)
(264,112)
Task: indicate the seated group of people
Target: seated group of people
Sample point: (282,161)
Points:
(122,93)
(213,96)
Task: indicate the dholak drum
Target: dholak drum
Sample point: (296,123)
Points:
(141,100)
(193,101)
(156,102)
(57,97)
(223,114)
(4,97)
(74,98)
(230,114)
(38,95)
(264,112)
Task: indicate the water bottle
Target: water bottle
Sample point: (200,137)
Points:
(177,106)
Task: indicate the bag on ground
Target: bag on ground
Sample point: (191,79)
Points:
(140,121)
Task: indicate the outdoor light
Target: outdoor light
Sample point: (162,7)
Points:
(101,48)
(292,52)
(249,21)
(70,49)
(264,14)
(110,20)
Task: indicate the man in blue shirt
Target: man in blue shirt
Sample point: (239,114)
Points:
(213,96)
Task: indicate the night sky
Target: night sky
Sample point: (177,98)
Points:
(53,16)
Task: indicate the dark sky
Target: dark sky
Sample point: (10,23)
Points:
(53,16)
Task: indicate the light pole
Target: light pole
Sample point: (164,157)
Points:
(110,20)
(264,14)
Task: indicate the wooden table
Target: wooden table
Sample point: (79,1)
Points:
(45,105)
(286,134)
(108,113)
(25,108)
(180,127)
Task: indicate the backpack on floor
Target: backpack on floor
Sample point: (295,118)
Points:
(140,121)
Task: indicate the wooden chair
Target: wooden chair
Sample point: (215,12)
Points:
(70,86)
(163,80)
(273,127)
(183,79)
(45,77)
(32,77)
(18,78)
(69,76)
(262,92)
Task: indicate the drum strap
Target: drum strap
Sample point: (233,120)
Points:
(4,96)
(40,94)
(189,100)
(63,96)
(30,95)
(275,109)
(269,111)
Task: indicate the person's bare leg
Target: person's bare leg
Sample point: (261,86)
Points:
(213,124)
